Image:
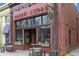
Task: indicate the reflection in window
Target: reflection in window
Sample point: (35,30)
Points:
(29,22)
(45,19)
(19,37)
(24,23)
(18,24)
(44,35)
(38,20)
(33,22)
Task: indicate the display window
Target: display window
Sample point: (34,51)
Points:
(44,35)
(19,37)
(39,22)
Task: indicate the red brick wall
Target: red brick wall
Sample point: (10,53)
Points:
(68,21)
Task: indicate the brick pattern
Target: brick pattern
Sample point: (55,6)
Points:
(68,22)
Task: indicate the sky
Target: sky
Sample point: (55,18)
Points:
(2,4)
(77,5)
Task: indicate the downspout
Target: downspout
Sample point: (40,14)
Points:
(11,25)
(59,27)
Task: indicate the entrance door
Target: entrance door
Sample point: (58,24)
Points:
(29,38)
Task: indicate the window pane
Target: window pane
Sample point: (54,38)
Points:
(29,22)
(44,35)
(33,22)
(45,19)
(38,20)
(18,24)
(19,37)
(24,23)
(7,19)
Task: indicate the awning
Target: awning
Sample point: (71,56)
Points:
(6,28)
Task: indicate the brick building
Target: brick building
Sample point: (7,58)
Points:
(53,26)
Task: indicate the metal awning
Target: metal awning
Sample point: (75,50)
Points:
(6,28)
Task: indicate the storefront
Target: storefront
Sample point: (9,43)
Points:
(31,25)
(49,25)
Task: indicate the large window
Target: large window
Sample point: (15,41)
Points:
(19,37)
(33,22)
(41,23)
(44,35)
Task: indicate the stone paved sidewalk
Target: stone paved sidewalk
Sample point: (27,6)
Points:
(74,52)
(17,53)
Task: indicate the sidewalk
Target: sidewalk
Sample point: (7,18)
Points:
(73,53)
(17,53)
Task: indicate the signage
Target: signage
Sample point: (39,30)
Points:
(33,10)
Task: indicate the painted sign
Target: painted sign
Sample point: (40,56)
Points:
(29,11)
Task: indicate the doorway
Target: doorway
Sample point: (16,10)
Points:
(29,37)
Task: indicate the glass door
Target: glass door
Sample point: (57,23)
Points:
(27,36)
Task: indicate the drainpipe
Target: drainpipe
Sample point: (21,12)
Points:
(11,25)
(59,27)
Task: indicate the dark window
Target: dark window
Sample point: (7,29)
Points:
(38,21)
(44,35)
(69,37)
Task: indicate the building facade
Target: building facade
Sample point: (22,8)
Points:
(53,26)
(4,21)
